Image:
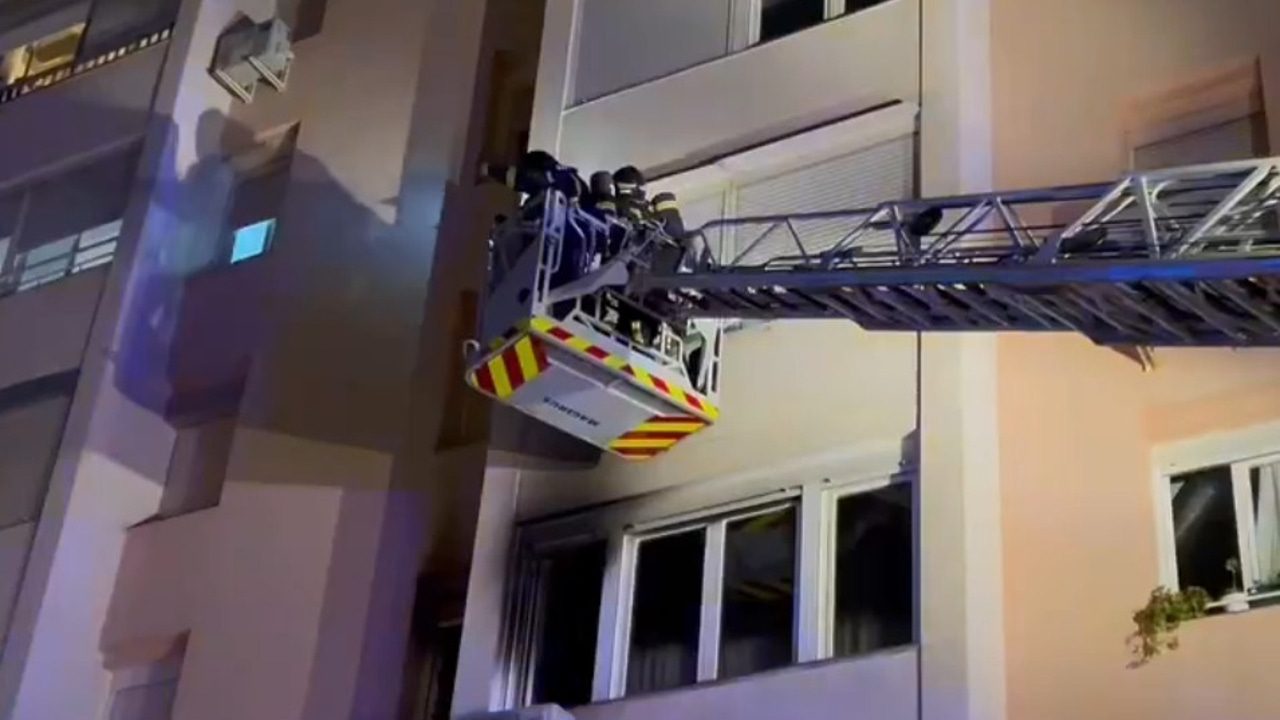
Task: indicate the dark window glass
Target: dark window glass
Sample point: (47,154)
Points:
(783,17)
(873,574)
(566,650)
(758,601)
(1204,528)
(852,6)
(665,612)
(444,671)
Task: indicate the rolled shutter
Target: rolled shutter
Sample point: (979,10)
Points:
(858,180)
(700,211)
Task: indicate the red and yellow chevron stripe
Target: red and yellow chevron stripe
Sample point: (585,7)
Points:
(505,372)
(684,398)
(655,436)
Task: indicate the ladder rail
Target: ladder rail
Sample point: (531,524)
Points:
(1152,210)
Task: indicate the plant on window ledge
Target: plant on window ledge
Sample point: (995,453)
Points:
(1158,621)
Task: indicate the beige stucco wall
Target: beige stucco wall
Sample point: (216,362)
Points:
(1078,423)
(790,391)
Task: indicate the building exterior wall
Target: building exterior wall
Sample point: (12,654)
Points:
(798,399)
(52,324)
(326,351)
(1080,426)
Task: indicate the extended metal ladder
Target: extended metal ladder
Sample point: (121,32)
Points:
(1184,256)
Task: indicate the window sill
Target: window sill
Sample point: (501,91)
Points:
(798,668)
(1256,601)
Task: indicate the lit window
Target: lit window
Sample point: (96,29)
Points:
(1225,527)
(54,51)
(48,53)
(14,64)
(252,240)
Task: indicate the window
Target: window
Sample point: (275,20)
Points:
(571,582)
(873,571)
(783,17)
(714,601)
(558,611)
(1224,527)
(778,18)
(252,240)
(255,203)
(710,594)
(116,23)
(69,223)
(870,175)
(148,691)
(69,255)
(49,53)
(759,591)
(666,612)
(32,415)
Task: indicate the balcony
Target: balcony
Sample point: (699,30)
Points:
(61,258)
(77,64)
(99,61)
(829,71)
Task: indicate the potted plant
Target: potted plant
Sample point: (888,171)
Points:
(1158,621)
(1236,600)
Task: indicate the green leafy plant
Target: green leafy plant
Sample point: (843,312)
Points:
(1158,621)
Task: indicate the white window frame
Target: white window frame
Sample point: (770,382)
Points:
(626,525)
(832,9)
(1242,450)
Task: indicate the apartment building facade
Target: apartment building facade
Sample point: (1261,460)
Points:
(890,525)
(240,475)
(228,334)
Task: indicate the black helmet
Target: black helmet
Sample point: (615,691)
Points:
(628,178)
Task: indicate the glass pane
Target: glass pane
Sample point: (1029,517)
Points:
(14,64)
(783,17)
(758,610)
(1265,481)
(55,50)
(666,607)
(251,240)
(566,651)
(101,233)
(1204,528)
(852,6)
(874,571)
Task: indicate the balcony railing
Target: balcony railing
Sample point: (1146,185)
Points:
(81,65)
(61,258)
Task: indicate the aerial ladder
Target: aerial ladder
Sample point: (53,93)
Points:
(1186,256)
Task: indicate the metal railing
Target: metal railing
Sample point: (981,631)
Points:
(59,259)
(81,65)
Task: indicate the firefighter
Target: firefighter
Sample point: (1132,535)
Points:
(536,171)
(602,195)
(632,204)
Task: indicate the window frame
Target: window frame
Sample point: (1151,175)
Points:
(624,526)
(1241,451)
(831,10)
